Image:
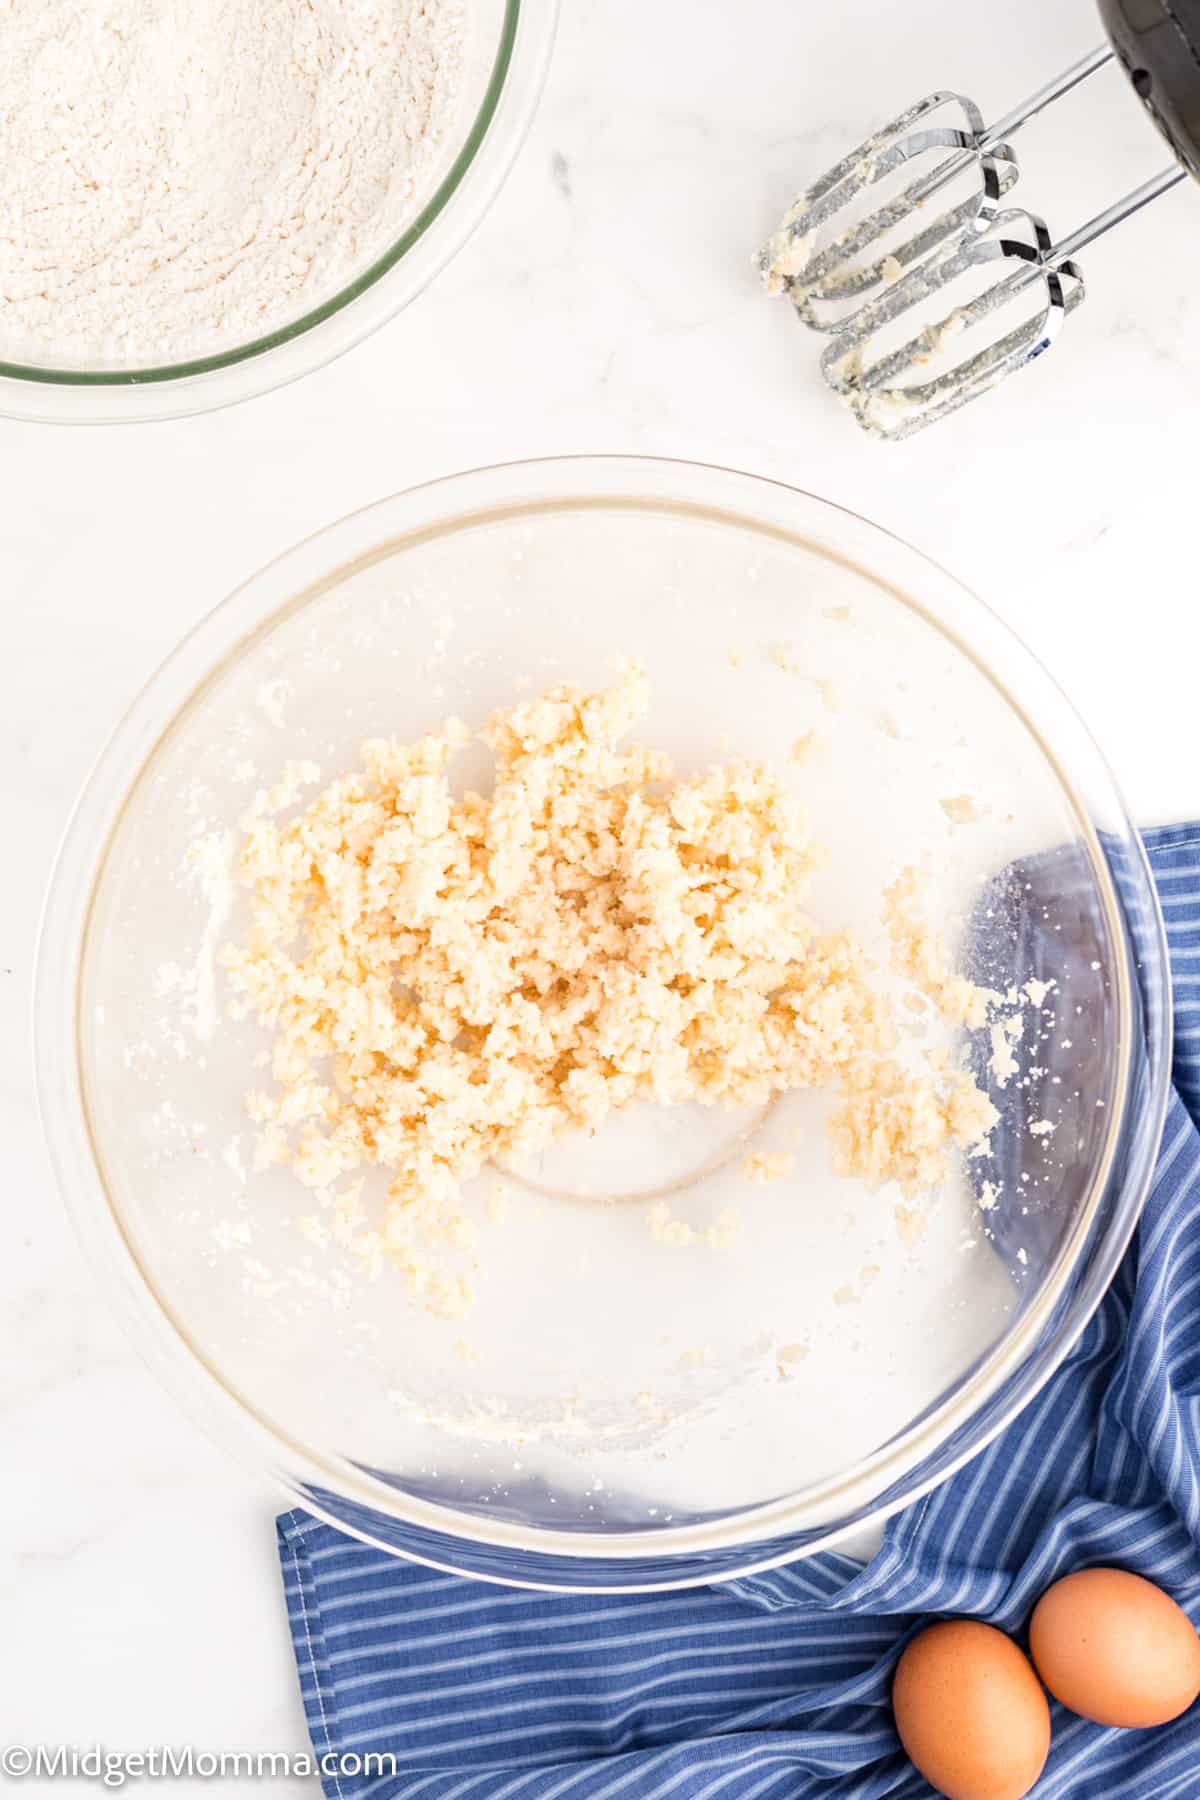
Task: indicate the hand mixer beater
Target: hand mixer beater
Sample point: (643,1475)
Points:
(990,281)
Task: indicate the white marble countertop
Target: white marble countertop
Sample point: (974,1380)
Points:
(607,303)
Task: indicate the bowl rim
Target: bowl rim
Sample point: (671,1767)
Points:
(43,392)
(438,506)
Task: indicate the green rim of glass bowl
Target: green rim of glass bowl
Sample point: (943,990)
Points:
(206,365)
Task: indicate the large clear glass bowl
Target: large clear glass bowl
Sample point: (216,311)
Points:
(507,47)
(616,1413)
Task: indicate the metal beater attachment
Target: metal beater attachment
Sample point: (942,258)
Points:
(990,282)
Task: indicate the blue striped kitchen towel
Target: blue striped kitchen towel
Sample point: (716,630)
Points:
(776,1687)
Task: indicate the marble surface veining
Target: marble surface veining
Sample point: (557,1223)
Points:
(138,1585)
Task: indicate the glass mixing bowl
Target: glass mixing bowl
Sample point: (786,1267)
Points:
(616,1412)
(506,54)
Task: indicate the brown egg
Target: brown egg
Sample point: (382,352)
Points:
(1115,1648)
(971,1712)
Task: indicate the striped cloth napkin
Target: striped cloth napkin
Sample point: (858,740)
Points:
(776,1687)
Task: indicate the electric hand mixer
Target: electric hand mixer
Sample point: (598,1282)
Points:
(862,285)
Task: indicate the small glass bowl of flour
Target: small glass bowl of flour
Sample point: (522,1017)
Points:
(203,199)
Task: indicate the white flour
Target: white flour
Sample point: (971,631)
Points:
(177,176)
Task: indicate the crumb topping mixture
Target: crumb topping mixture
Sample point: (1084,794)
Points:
(455,980)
